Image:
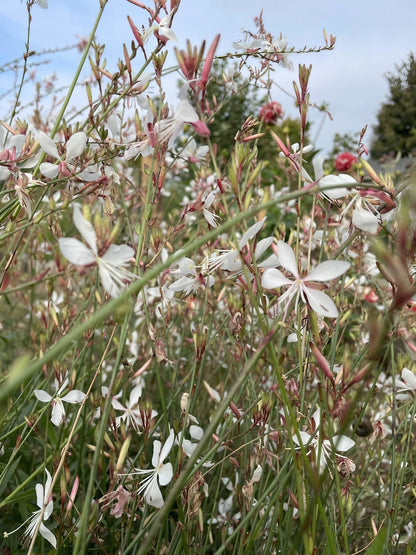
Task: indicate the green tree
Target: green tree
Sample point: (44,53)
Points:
(396,127)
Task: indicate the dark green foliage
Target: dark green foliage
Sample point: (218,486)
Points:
(396,128)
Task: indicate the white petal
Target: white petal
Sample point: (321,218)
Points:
(262,246)
(85,228)
(185,113)
(167,446)
(271,262)
(365,220)
(4,173)
(42,395)
(165,474)
(320,303)
(118,255)
(75,145)
(196,432)
(48,145)
(328,270)
(168,33)
(304,436)
(185,284)
(47,534)
(49,170)
(251,232)
(409,378)
(318,167)
(49,506)
(337,192)
(74,396)
(343,443)
(117,405)
(287,258)
(40,495)
(153,494)
(58,412)
(107,280)
(273,278)
(76,252)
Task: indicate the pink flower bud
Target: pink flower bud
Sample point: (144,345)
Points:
(201,128)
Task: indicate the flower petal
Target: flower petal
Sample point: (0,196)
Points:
(58,412)
(320,303)
(153,494)
(165,474)
(119,255)
(365,220)
(75,145)
(107,279)
(185,113)
(287,258)
(167,446)
(273,278)
(42,396)
(76,252)
(85,228)
(304,436)
(74,396)
(343,443)
(251,232)
(47,534)
(49,170)
(48,145)
(330,269)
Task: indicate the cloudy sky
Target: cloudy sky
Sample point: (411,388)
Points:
(372,36)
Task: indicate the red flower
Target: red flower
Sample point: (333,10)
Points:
(345,161)
(270,112)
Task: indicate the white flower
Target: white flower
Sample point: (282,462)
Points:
(168,129)
(41,501)
(193,153)
(111,265)
(162,28)
(248,46)
(43,4)
(74,148)
(58,411)
(131,412)
(324,448)
(230,260)
(210,217)
(190,280)
(301,287)
(322,179)
(161,473)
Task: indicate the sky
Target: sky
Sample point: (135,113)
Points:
(372,37)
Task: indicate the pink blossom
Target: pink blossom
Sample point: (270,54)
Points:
(270,112)
(345,161)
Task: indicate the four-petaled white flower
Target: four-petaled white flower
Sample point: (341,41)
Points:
(302,286)
(132,415)
(161,473)
(58,411)
(74,147)
(323,447)
(111,265)
(41,501)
